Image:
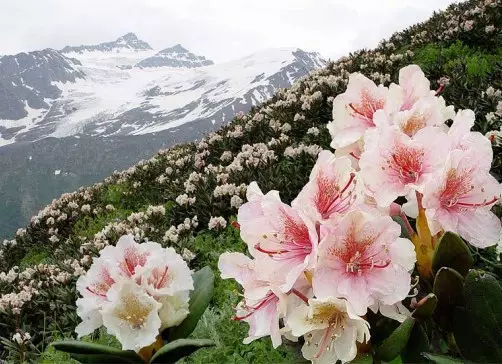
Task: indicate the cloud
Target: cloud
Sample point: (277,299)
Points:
(219,29)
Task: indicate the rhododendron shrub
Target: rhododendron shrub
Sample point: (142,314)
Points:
(344,255)
(137,292)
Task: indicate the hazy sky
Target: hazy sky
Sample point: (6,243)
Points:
(218,29)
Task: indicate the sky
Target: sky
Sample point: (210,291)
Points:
(221,30)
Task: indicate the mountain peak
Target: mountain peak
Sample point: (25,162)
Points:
(129,41)
(176,56)
(128,37)
(178,48)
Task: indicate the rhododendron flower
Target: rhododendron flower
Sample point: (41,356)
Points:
(352,151)
(461,137)
(249,273)
(131,315)
(263,305)
(93,287)
(260,306)
(459,199)
(423,113)
(275,230)
(393,164)
(353,110)
(333,188)
(330,330)
(134,290)
(165,274)
(174,309)
(128,255)
(413,85)
(364,260)
(252,212)
(396,311)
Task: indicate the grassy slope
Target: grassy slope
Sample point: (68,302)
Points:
(473,62)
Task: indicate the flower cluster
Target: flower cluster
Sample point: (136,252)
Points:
(408,150)
(135,291)
(318,265)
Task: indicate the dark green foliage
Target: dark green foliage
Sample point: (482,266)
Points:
(452,252)
(478,325)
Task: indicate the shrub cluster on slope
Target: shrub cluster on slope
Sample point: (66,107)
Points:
(185,196)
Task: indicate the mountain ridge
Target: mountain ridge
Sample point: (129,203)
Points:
(129,41)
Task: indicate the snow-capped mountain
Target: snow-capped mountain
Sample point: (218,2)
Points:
(176,56)
(128,41)
(124,87)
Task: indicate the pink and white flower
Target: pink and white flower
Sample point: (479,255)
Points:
(353,110)
(128,255)
(260,307)
(333,188)
(275,230)
(364,260)
(413,85)
(459,198)
(165,274)
(461,137)
(330,330)
(93,287)
(393,164)
(134,290)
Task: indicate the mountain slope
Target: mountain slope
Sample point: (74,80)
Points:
(28,80)
(109,103)
(275,145)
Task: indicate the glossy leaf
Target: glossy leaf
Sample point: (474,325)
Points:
(449,289)
(199,300)
(87,352)
(392,347)
(451,251)
(179,349)
(364,358)
(478,326)
(442,359)
(418,343)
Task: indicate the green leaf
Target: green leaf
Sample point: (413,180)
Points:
(418,343)
(478,326)
(442,359)
(451,251)
(396,342)
(449,289)
(200,297)
(365,358)
(178,349)
(87,352)
(426,307)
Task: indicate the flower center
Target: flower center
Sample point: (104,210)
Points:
(293,243)
(456,191)
(361,255)
(413,124)
(406,163)
(330,198)
(366,108)
(335,318)
(133,311)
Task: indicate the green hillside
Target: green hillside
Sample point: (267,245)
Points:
(187,196)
